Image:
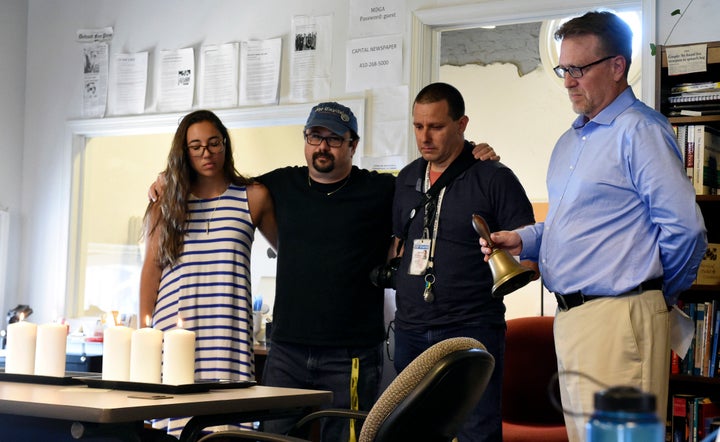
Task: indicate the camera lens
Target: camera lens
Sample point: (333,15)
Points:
(383,276)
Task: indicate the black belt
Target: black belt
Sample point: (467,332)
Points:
(570,300)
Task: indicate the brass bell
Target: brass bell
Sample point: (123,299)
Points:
(508,274)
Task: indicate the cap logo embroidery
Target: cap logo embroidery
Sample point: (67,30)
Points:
(343,116)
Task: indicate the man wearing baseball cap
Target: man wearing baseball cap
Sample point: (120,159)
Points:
(334,226)
(333,116)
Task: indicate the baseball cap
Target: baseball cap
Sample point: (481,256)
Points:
(334,116)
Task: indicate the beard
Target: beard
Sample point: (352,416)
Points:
(583,106)
(323,162)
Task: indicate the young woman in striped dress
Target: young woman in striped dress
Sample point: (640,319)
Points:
(199,234)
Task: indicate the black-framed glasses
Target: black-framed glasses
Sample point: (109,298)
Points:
(214,145)
(577,71)
(314,139)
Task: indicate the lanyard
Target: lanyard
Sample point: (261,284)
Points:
(460,164)
(431,216)
(432,203)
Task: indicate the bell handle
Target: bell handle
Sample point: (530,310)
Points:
(481,227)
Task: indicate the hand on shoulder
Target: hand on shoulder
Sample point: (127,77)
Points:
(484,152)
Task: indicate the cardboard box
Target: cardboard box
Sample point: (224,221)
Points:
(709,270)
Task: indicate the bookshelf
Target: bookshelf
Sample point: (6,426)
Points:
(708,386)
(664,84)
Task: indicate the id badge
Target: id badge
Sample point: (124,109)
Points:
(420,256)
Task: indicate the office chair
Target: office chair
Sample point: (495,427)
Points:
(427,402)
(530,363)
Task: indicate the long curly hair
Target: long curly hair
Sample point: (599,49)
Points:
(168,214)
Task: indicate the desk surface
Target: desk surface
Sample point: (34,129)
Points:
(80,403)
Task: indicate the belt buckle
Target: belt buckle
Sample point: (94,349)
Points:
(562,303)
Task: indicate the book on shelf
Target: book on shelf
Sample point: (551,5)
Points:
(694,108)
(709,270)
(707,151)
(703,355)
(702,86)
(690,151)
(713,371)
(704,411)
(708,337)
(679,418)
(700,148)
(691,417)
(686,366)
(687,151)
(690,97)
(675,363)
(699,339)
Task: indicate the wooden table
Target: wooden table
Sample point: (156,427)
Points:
(96,412)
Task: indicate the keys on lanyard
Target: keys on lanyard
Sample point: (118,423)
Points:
(428,295)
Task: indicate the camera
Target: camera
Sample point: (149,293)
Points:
(383,276)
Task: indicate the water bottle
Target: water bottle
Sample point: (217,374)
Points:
(624,414)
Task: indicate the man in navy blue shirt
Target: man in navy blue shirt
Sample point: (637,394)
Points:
(443,284)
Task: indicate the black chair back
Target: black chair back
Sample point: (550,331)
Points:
(427,402)
(430,400)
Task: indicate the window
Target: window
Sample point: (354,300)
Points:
(550,48)
(117,170)
(114,162)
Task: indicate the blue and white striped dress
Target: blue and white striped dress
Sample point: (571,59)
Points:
(208,288)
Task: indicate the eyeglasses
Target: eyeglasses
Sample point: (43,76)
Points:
(314,139)
(577,71)
(214,145)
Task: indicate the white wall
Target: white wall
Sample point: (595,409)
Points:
(54,97)
(13,30)
(700,22)
(52,94)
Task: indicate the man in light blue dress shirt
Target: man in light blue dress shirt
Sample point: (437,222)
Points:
(623,236)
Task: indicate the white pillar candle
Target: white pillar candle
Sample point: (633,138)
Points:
(178,366)
(20,351)
(116,353)
(50,350)
(146,355)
